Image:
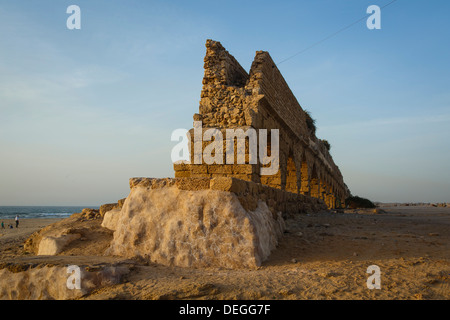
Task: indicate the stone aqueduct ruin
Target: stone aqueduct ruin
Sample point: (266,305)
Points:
(212,215)
(261,99)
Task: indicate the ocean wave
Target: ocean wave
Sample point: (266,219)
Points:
(37,212)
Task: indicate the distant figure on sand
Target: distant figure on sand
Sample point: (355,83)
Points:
(17,221)
(3,225)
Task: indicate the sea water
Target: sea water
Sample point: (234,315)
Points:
(33,212)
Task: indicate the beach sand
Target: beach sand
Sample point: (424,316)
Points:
(321,256)
(11,240)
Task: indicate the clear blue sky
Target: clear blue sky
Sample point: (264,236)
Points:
(82,111)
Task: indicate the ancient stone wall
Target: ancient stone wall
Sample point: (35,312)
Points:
(261,99)
(247,192)
(202,222)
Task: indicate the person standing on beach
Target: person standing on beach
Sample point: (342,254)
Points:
(17,221)
(3,225)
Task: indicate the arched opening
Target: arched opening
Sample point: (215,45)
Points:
(315,183)
(274,181)
(291,175)
(332,197)
(323,188)
(329,196)
(304,184)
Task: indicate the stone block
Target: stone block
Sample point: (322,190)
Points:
(193,184)
(221,169)
(244,168)
(182,174)
(107,207)
(181,167)
(229,184)
(121,202)
(199,168)
(207,228)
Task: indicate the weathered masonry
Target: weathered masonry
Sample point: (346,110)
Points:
(227,214)
(232,98)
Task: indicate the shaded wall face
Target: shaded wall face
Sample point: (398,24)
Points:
(291,176)
(280,102)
